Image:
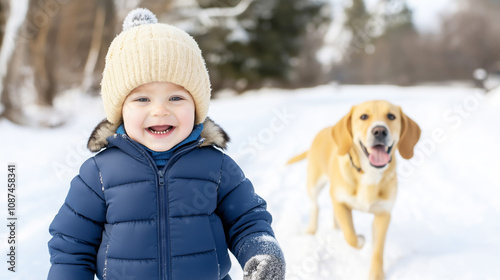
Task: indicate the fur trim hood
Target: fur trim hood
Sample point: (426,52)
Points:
(212,132)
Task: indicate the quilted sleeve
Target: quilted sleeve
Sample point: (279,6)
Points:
(77,228)
(246,221)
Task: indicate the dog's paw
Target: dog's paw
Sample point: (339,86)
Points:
(311,230)
(357,242)
(361,242)
(311,227)
(376,272)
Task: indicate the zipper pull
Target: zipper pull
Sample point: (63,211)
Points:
(201,141)
(161,177)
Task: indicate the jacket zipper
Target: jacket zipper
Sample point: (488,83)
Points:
(164,224)
(164,267)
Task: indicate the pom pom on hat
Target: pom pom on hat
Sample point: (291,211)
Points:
(147,51)
(138,17)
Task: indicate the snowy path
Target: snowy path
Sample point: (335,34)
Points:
(445,222)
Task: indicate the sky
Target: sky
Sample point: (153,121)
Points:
(426,13)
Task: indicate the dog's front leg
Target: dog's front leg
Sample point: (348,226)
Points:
(343,214)
(380,226)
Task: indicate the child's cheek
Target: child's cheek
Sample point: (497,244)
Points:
(130,118)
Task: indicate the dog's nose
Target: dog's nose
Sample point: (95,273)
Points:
(380,132)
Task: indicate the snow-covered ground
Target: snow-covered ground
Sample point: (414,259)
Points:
(446,220)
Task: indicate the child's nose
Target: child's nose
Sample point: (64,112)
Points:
(160,110)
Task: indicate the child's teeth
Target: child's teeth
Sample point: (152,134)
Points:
(160,132)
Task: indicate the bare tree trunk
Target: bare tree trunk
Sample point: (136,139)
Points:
(4,11)
(12,83)
(97,37)
(61,45)
(38,49)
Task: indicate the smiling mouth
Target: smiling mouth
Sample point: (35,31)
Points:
(160,129)
(379,156)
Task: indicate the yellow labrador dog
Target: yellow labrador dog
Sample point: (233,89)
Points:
(357,157)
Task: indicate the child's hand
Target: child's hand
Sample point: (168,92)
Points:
(264,267)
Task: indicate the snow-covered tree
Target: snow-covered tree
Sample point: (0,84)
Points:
(265,45)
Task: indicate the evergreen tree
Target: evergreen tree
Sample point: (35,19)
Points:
(356,24)
(357,17)
(271,35)
(398,18)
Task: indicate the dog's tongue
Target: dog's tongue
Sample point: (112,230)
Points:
(378,156)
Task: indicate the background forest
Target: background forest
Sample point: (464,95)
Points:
(56,45)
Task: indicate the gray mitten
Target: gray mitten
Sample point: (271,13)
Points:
(264,267)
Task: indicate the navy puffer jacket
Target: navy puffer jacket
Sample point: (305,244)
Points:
(125,219)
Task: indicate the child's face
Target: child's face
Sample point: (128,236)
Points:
(158,115)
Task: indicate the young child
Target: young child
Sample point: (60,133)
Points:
(160,201)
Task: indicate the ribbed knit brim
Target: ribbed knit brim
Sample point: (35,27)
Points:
(154,53)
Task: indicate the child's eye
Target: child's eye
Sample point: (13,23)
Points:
(176,98)
(142,99)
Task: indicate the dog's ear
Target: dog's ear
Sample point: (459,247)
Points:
(342,134)
(410,133)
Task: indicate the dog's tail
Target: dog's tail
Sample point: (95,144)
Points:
(298,158)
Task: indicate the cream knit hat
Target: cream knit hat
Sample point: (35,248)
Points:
(147,51)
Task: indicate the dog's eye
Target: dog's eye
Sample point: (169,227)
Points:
(391,117)
(364,117)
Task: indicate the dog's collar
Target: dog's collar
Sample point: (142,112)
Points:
(354,165)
